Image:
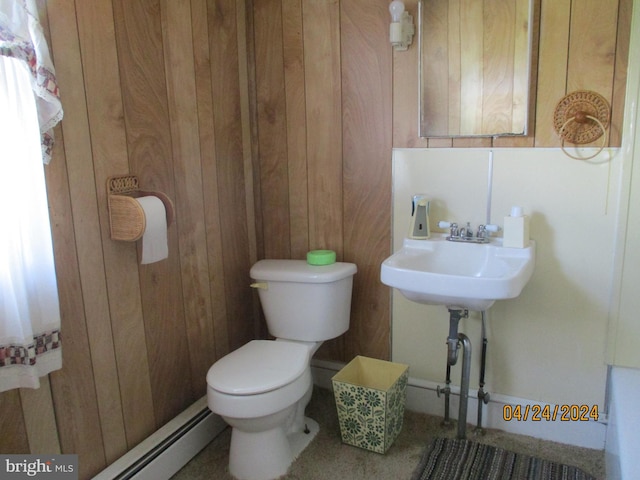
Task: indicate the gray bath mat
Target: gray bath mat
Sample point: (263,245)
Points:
(454,459)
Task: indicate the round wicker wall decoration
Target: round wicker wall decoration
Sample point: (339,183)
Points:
(581,117)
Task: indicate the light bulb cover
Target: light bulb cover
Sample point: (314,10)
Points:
(401,29)
(396,8)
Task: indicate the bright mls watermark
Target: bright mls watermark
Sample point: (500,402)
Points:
(49,467)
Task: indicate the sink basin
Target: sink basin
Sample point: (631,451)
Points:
(454,274)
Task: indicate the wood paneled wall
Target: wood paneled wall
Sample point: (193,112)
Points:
(270,123)
(324,92)
(155,88)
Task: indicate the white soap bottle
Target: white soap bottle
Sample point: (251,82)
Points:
(516,229)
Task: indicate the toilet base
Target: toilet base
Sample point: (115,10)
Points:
(271,451)
(300,440)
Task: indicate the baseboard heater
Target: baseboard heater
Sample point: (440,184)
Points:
(167,450)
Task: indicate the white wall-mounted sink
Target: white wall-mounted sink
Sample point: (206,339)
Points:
(465,275)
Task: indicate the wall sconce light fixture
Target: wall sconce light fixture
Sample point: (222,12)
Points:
(401,30)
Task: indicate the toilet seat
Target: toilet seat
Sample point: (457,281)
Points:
(260,378)
(259,366)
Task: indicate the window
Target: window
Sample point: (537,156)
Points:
(29,309)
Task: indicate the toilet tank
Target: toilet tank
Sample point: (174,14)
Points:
(304,302)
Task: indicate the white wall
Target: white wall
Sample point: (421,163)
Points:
(625,321)
(548,345)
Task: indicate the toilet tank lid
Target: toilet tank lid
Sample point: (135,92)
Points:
(300,271)
(259,367)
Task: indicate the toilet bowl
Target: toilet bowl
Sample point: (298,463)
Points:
(262,389)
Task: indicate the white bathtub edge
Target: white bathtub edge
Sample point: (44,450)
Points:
(623,431)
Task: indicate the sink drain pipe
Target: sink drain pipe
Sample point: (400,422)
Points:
(453,340)
(464,385)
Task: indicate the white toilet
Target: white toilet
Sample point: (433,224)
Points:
(262,388)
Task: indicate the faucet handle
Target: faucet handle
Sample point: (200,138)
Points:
(483,230)
(452,226)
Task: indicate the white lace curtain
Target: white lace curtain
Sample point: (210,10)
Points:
(29,109)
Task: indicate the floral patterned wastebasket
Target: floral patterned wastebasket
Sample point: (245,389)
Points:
(370,395)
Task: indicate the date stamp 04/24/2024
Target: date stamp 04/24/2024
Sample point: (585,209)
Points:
(550,413)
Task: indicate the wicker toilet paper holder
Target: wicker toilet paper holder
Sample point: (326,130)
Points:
(126,217)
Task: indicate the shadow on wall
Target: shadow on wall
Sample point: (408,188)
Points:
(551,308)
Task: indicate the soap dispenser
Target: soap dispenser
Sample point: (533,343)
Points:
(419,226)
(516,229)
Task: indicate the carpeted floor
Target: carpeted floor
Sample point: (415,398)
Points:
(328,458)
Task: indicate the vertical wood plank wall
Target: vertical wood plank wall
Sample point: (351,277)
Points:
(270,123)
(151,88)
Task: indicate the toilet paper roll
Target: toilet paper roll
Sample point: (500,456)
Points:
(154,239)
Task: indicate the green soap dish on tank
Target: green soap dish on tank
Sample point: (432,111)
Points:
(321,257)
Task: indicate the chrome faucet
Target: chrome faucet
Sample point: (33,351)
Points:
(465,234)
